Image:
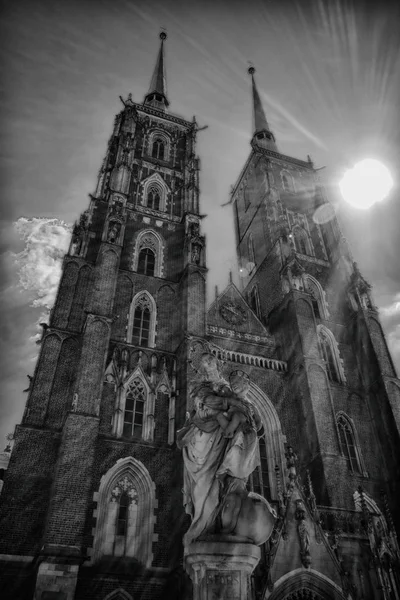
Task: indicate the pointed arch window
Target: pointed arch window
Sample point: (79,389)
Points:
(330,354)
(134,409)
(314,288)
(122,517)
(146,262)
(329,358)
(141,325)
(302,242)
(260,477)
(153,197)
(158,149)
(347,443)
(315,306)
(149,253)
(255,301)
(124,514)
(287,181)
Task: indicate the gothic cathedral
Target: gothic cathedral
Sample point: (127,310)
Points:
(92,504)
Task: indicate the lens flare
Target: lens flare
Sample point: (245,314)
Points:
(368,182)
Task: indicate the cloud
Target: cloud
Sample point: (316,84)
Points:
(39,264)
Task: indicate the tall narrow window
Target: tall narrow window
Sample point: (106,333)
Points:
(134,409)
(329,358)
(285,183)
(142,320)
(347,443)
(158,149)
(153,198)
(260,477)
(122,517)
(141,326)
(146,262)
(301,241)
(250,249)
(255,301)
(315,306)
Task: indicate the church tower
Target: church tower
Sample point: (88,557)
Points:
(340,408)
(92,503)
(94,482)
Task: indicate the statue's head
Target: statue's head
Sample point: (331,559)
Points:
(239,382)
(209,366)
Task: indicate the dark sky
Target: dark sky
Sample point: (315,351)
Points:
(329,75)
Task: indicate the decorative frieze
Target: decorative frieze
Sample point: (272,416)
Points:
(250,359)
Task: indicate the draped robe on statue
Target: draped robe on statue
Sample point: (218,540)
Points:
(209,457)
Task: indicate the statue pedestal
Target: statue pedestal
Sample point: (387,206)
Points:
(221,570)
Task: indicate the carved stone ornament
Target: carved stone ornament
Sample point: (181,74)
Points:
(238,516)
(304,535)
(116,208)
(196,252)
(114,229)
(78,234)
(124,485)
(233,313)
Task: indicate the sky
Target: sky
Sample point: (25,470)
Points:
(328,72)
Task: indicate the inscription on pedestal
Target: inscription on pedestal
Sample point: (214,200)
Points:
(223,585)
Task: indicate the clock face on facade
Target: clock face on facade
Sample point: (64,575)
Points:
(232,313)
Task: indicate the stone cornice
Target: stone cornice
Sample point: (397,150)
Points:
(161,115)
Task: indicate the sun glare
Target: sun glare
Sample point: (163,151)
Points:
(369,181)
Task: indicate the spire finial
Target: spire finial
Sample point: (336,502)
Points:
(157,94)
(261,130)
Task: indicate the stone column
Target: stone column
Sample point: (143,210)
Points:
(221,569)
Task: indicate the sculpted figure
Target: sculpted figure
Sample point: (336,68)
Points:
(220,450)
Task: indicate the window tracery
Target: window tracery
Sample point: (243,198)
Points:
(159,146)
(155,193)
(331,356)
(149,254)
(314,288)
(146,262)
(134,409)
(125,513)
(347,443)
(302,241)
(153,199)
(259,480)
(141,324)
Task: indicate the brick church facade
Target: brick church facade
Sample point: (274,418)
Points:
(91,506)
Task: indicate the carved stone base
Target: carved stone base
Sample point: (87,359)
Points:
(221,570)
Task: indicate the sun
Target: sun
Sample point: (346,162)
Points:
(369,181)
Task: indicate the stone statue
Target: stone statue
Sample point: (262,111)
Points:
(113,232)
(196,248)
(220,450)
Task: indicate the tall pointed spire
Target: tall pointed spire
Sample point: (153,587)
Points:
(262,134)
(157,94)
